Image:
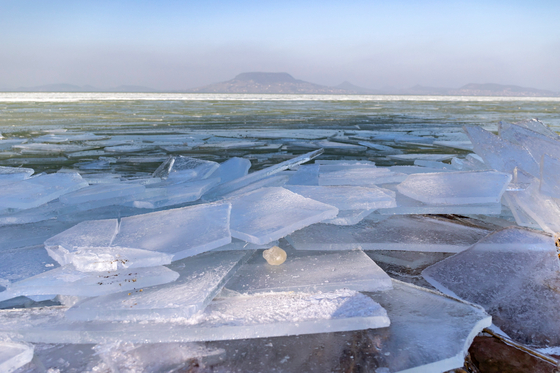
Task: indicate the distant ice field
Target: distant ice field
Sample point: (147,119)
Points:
(111,96)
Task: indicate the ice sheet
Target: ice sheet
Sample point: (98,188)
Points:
(309,271)
(359,176)
(182,232)
(200,279)
(67,280)
(238,317)
(268,214)
(407,233)
(514,274)
(348,197)
(348,217)
(456,188)
(14,355)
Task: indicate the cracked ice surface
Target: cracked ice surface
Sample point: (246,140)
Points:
(518,284)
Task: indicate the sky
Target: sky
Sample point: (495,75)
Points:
(176,45)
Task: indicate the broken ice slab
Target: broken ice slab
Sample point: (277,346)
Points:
(378,147)
(463,145)
(347,197)
(514,274)
(181,168)
(550,176)
(538,145)
(22,235)
(14,355)
(408,233)
(231,145)
(305,175)
(456,188)
(428,332)
(13,174)
(310,271)
(102,195)
(543,209)
(500,154)
(39,190)
(67,280)
(533,125)
(359,176)
(426,157)
(268,214)
(338,146)
(159,196)
(238,317)
(87,246)
(244,245)
(471,162)
(254,177)
(232,169)
(37,148)
(182,232)
(348,217)
(435,165)
(20,263)
(200,279)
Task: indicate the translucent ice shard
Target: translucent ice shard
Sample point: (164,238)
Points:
(239,317)
(500,154)
(39,190)
(159,196)
(232,169)
(181,232)
(102,195)
(268,214)
(456,188)
(185,168)
(514,275)
(311,271)
(543,209)
(305,175)
(13,174)
(348,217)
(358,176)
(67,280)
(261,174)
(14,355)
(538,145)
(428,332)
(408,233)
(200,279)
(550,176)
(348,197)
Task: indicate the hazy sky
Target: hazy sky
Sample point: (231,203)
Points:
(169,44)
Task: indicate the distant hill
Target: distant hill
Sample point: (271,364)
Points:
(347,86)
(260,82)
(488,89)
(85,88)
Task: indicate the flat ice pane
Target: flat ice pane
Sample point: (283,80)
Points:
(309,271)
(268,214)
(256,316)
(533,125)
(181,167)
(538,145)
(331,145)
(67,280)
(428,332)
(85,234)
(38,190)
(514,274)
(426,157)
(550,176)
(543,209)
(500,154)
(407,233)
(200,279)
(348,197)
(305,175)
(103,192)
(456,188)
(348,217)
(182,232)
(14,355)
(12,174)
(256,176)
(463,145)
(175,194)
(21,263)
(232,169)
(359,176)
(244,245)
